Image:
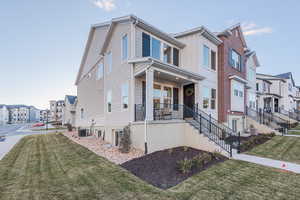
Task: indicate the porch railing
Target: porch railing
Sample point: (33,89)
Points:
(268,118)
(218,133)
(290,114)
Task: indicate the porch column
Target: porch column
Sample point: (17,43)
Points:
(149,94)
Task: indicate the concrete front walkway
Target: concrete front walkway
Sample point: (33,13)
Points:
(283,165)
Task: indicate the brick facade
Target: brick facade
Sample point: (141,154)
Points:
(235,42)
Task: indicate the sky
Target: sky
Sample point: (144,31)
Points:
(42,42)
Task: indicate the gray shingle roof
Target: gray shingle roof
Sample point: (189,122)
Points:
(71,99)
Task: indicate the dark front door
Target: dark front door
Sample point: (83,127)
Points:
(189,99)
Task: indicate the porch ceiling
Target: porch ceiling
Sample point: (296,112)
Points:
(165,71)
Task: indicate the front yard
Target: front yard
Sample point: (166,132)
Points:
(279,148)
(53,167)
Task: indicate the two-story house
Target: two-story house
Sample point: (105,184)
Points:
(56,110)
(134,73)
(69,110)
(232,77)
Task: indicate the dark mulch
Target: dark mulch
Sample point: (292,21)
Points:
(160,168)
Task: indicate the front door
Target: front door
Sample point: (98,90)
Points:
(189,99)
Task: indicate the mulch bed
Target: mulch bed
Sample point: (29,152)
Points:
(161,169)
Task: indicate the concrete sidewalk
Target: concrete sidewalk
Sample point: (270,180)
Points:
(8,144)
(268,162)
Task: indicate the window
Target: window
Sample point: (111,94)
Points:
(206,96)
(146,45)
(108,101)
(100,70)
(236,92)
(235,60)
(213,99)
(205,56)
(155,48)
(175,98)
(175,57)
(124,47)
(167,96)
(257,86)
(81,113)
(167,53)
(156,96)
(213,60)
(125,96)
(234,125)
(109,62)
(241,94)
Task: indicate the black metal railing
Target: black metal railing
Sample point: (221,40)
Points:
(269,119)
(218,133)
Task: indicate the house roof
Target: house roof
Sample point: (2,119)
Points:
(111,25)
(71,98)
(252,54)
(203,31)
(269,77)
(287,75)
(228,32)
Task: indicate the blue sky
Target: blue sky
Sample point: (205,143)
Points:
(42,42)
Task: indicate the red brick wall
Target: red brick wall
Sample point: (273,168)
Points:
(225,71)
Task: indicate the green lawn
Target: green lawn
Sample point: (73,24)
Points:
(294,132)
(279,148)
(52,167)
(296,128)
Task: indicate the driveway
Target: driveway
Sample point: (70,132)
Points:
(13,133)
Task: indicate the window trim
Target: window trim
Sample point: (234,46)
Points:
(203,56)
(122,103)
(107,107)
(122,48)
(109,61)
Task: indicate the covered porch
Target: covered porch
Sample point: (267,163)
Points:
(163,91)
(271,103)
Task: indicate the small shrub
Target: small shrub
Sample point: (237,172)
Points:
(198,161)
(185,148)
(125,141)
(185,166)
(217,155)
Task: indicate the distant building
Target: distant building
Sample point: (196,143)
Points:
(56,110)
(4,115)
(69,110)
(19,114)
(44,114)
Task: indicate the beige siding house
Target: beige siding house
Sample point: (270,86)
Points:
(164,86)
(69,110)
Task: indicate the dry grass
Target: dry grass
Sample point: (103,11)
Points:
(51,167)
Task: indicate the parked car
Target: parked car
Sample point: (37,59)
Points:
(38,125)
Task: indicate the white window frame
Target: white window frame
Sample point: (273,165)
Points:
(109,62)
(100,70)
(122,49)
(208,59)
(109,100)
(126,84)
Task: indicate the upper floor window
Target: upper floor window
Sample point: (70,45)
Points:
(125,96)
(167,53)
(175,57)
(125,47)
(109,62)
(108,99)
(146,45)
(235,60)
(205,56)
(155,48)
(213,60)
(257,86)
(100,70)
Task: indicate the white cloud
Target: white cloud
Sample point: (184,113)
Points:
(107,5)
(253,29)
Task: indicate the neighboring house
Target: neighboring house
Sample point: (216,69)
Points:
(69,110)
(283,93)
(4,115)
(133,73)
(56,110)
(45,116)
(251,65)
(232,78)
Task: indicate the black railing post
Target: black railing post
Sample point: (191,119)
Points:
(200,124)
(259,116)
(239,142)
(210,123)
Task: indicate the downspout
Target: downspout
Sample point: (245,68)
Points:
(146,120)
